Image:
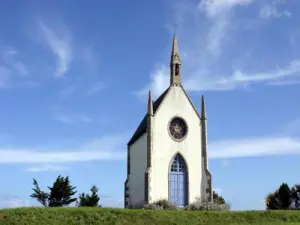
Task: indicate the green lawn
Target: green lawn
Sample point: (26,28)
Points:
(86,216)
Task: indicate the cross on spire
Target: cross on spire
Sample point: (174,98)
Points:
(174,26)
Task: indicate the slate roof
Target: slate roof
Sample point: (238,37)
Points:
(143,125)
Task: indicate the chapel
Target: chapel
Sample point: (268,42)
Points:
(167,154)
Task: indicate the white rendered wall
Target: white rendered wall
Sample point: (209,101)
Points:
(138,164)
(164,147)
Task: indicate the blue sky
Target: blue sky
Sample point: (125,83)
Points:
(74,78)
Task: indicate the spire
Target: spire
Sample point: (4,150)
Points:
(203,109)
(175,63)
(150,104)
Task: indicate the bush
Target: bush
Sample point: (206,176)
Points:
(206,205)
(162,204)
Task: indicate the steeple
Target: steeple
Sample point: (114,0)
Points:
(150,104)
(175,64)
(203,109)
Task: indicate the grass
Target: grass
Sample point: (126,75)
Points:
(105,216)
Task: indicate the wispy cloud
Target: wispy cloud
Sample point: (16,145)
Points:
(8,201)
(284,82)
(208,82)
(255,147)
(239,78)
(269,11)
(208,47)
(47,168)
(219,13)
(224,163)
(107,148)
(10,58)
(13,71)
(69,117)
(292,128)
(160,80)
(59,44)
(72,118)
(96,88)
(214,8)
(5,76)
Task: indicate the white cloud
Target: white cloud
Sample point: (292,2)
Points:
(270,10)
(218,190)
(224,163)
(284,82)
(7,201)
(60,46)
(219,12)
(204,81)
(239,78)
(205,37)
(111,148)
(160,80)
(47,168)
(72,118)
(106,148)
(66,116)
(213,8)
(5,76)
(11,58)
(255,147)
(292,128)
(12,69)
(96,88)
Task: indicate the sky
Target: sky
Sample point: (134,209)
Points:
(74,77)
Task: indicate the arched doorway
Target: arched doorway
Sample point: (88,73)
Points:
(178,182)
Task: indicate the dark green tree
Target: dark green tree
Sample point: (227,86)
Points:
(296,195)
(280,199)
(218,198)
(272,201)
(89,200)
(285,196)
(60,194)
(39,195)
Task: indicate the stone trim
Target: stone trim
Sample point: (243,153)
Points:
(126,187)
(186,124)
(126,194)
(208,190)
(146,193)
(149,140)
(209,185)
(149,158)
(128,160)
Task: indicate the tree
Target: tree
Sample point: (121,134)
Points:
(280,199)
(295,191)
(41,196)
(89,200)
(218,198)
(60,194)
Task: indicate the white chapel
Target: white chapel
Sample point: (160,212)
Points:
(167,154)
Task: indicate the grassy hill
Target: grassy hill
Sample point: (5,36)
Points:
(103,216)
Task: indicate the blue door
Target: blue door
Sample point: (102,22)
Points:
(178,182)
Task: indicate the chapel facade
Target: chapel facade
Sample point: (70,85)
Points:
(167,154)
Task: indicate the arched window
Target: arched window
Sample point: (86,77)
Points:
(178,182)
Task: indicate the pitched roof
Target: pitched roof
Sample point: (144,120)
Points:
(143,125)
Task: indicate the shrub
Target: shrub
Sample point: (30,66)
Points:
(206,205)
(160,204)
